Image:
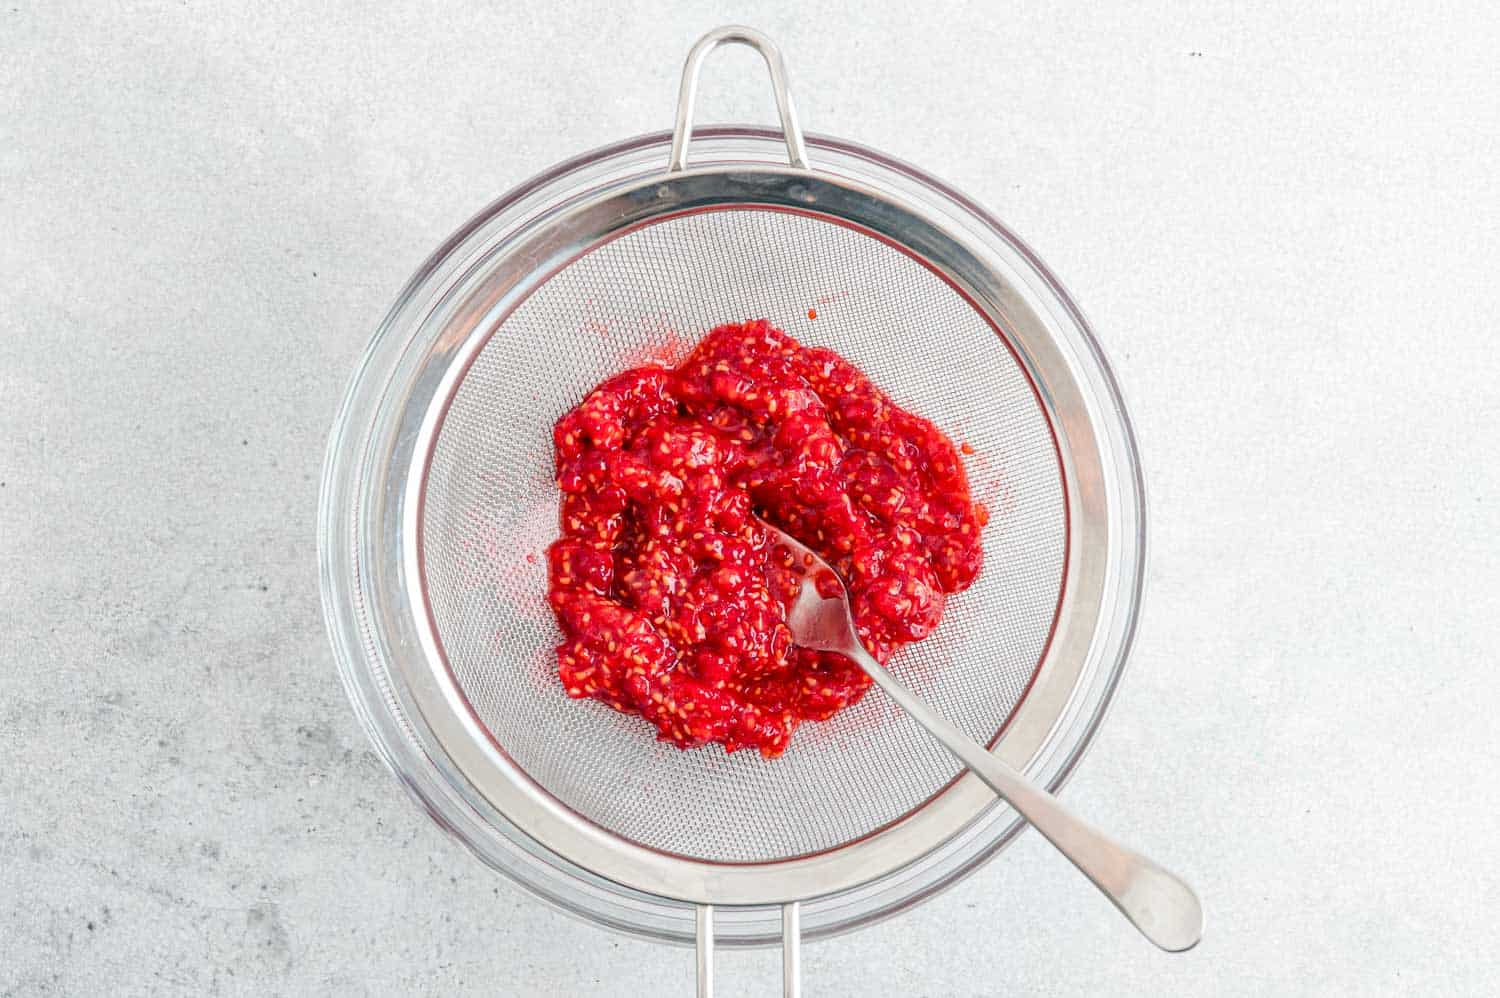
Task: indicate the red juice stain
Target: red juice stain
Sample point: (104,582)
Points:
(665,347)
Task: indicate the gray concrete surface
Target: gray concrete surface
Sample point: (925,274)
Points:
(1282,218)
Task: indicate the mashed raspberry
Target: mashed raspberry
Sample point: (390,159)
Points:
(670,597)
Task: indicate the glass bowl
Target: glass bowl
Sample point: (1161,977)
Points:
(370,604)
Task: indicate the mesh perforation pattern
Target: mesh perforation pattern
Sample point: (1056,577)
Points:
(490,509)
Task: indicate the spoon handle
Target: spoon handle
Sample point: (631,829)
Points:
(1161,906)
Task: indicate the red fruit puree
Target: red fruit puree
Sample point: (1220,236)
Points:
(670,596)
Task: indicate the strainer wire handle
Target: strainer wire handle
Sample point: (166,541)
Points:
(734,34)
(705,947)
(791,950)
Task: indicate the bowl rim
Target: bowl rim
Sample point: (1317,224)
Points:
(358,650)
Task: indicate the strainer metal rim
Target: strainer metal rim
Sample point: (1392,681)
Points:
(332,587)
(486,764)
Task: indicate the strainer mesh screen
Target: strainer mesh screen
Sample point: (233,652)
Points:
(491,510)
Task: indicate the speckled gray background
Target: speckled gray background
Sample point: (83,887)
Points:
(1283,221)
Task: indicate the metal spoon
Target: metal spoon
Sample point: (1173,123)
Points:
(1162,907)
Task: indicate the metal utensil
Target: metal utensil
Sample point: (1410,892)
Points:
(1157,902)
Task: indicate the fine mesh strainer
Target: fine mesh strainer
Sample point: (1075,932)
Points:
(438,503)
